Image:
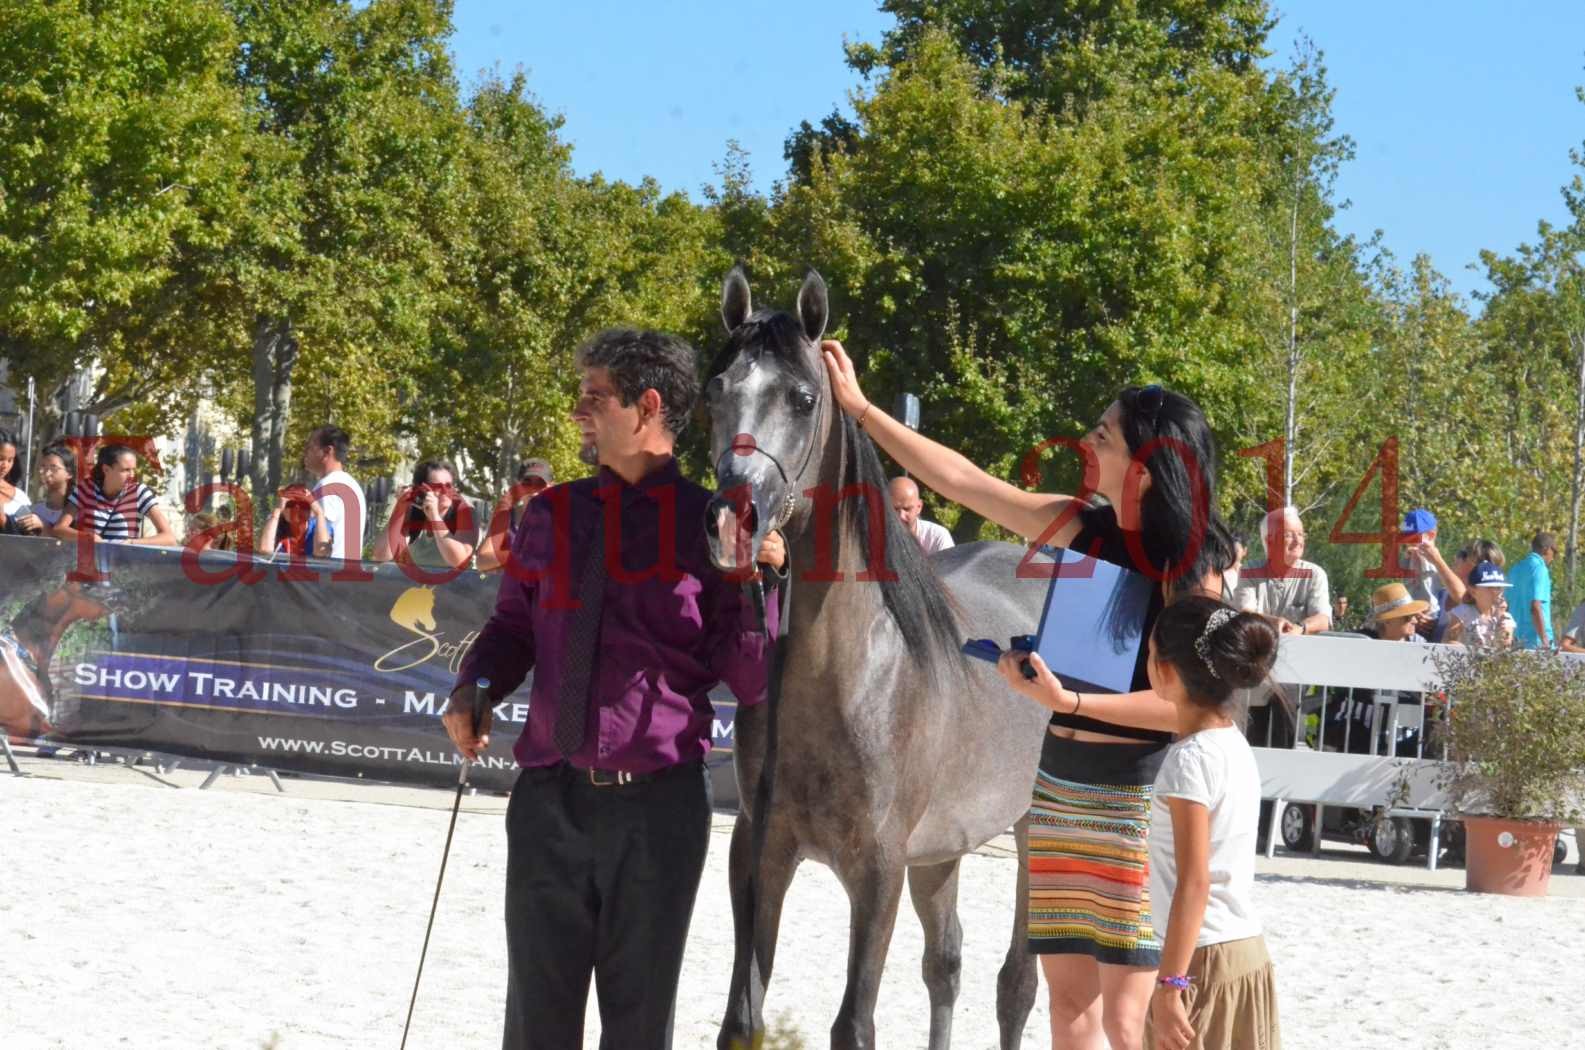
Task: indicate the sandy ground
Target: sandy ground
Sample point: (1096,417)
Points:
(143,913)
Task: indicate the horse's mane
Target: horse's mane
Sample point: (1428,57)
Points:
(916,601)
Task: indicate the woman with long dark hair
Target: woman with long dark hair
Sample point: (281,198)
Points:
(115,504)
(432,524)
(13,498)
(1152,457)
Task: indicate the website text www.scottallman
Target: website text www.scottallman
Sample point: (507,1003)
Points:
(377,752)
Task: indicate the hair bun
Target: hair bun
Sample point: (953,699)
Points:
(1245,650)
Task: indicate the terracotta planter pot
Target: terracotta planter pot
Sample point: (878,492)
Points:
(1513,857)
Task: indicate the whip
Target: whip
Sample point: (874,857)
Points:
(483,686)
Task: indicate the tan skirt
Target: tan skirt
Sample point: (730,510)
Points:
(1232,1003)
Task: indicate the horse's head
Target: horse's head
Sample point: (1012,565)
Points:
(770,407)
(415,610)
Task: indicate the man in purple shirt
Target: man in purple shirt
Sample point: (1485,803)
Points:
(611,599)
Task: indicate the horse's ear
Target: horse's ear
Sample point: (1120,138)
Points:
(813,307)
(736,303)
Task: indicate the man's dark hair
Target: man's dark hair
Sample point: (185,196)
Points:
(332,437)
(1543,542)
(640,360)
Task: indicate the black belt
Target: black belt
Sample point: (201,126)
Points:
(607,777)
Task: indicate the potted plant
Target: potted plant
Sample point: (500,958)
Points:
(1515,769)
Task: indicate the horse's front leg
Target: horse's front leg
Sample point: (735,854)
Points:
(875,885)
(744,1022)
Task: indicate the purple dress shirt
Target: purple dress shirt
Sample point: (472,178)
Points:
(671,625)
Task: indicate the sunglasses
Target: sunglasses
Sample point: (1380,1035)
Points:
(534,484)
(1150,399)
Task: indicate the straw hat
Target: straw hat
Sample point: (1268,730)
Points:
(1391,601)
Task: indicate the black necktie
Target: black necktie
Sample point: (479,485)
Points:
(583,635)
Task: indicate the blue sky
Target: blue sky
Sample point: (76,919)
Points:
(1463,112)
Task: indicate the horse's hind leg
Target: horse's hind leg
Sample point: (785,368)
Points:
(875,886)
(743,1025)
(934,890)
(1018,980)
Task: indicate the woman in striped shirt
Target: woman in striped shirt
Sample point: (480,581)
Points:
(114,504)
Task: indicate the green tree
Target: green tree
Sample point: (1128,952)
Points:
(119,139)
(330,285)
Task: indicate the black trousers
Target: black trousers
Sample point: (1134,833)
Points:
(600,881)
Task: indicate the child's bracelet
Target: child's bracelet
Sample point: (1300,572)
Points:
(1180,983)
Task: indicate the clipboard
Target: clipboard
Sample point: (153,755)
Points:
(1092,626)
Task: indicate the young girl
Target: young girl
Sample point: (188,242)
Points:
(13,498)
(1215,989)
(57,466)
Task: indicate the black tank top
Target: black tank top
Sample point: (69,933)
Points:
(1100,536)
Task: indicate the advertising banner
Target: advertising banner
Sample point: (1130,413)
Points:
(310,666)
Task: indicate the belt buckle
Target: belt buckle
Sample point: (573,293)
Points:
(603,778)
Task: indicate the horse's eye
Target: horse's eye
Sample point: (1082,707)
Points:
(713,389)
(802,400)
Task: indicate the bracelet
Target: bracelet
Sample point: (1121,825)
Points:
(1078,699)
(1181,983)
(864,413)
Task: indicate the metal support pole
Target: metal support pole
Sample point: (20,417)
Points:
(27,446)
(11,758)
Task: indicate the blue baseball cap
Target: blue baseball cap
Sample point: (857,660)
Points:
(1419,520)
(1486,574)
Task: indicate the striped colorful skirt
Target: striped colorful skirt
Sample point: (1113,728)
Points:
(1089,872)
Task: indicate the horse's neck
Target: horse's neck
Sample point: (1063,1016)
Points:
(830,601)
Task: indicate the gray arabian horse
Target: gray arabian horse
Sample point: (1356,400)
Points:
(896,755)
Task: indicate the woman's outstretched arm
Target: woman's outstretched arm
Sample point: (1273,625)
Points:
(1029,514)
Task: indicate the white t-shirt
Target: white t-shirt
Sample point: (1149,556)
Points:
(332,497)
(931,537)
(1295,597)
(19,503)
(1215,768)
(1482,630)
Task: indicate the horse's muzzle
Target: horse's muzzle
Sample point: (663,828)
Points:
(732,526)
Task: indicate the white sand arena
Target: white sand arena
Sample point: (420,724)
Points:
(142,916)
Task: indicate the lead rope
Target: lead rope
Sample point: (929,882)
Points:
(765,789)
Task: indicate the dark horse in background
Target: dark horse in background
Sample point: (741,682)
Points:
(896,755)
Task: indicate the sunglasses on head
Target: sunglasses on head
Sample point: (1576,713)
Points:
(1150,399)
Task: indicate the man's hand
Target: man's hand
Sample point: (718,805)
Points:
(772,551)
(469,732)
(1288,627)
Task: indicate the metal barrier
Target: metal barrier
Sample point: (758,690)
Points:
(1343,687)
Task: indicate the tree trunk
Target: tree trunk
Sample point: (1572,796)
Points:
(274,357)
(1291,423)
(1577,338)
